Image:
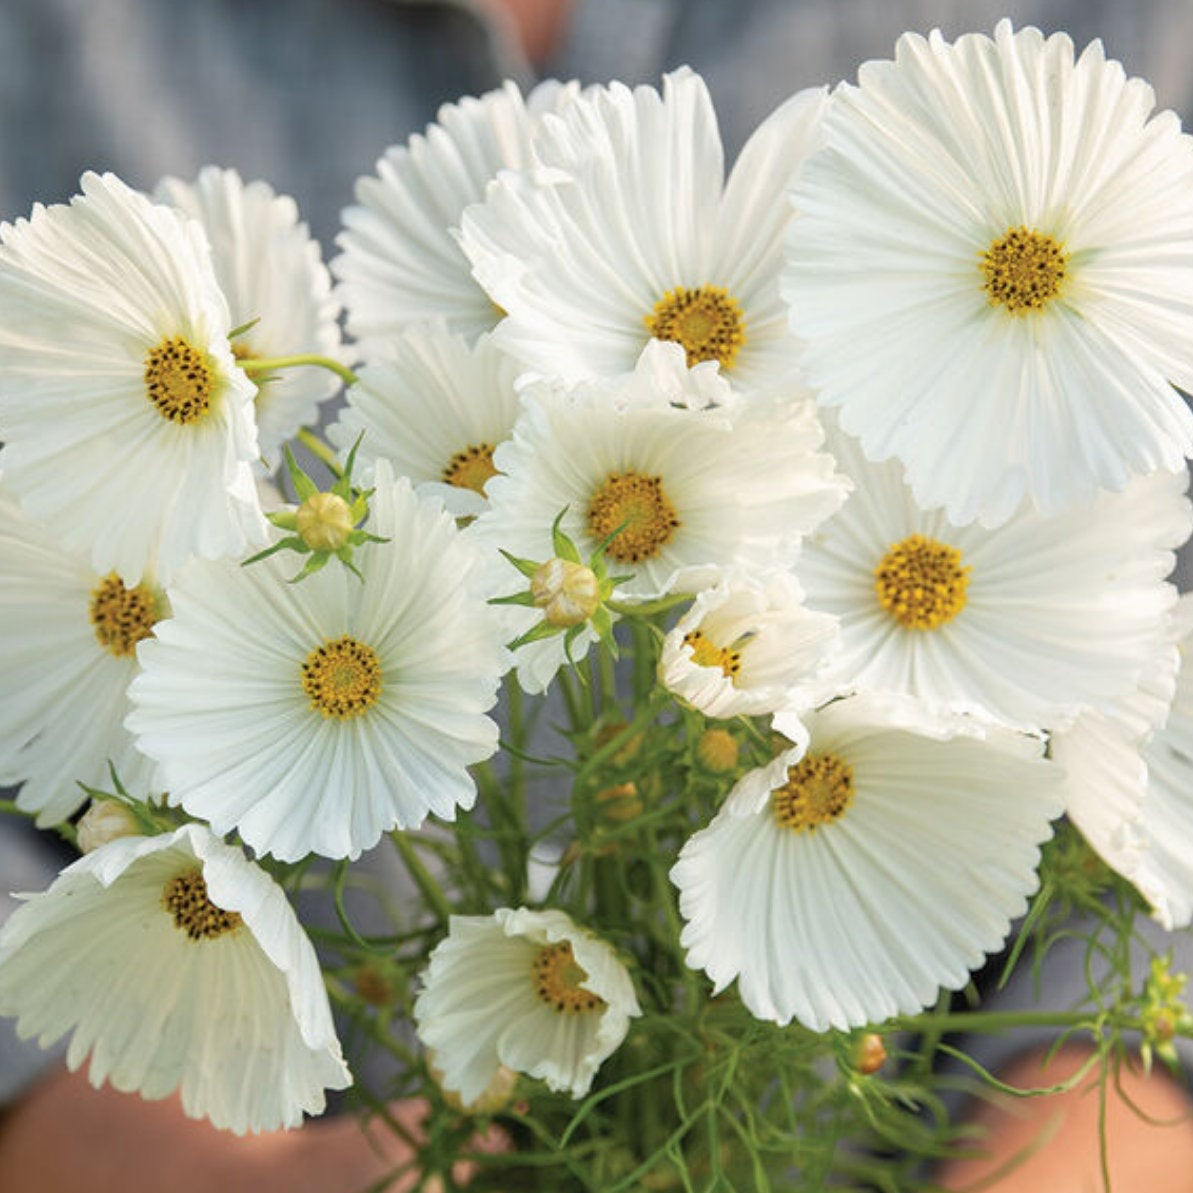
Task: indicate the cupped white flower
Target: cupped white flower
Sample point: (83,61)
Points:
(68,639)
(993,271)
(748,648)
(314,717)
(627,229)
(526,989)
(884,864)
(1028,623)
(177,964)
(128,428)
(400,263)
(271,271)
(683,492)
(436,406)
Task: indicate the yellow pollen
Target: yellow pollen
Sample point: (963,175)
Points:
(471,469)
(818,790)
(640,507)
(178,381)
(342,678)
(708,654)
(185,898)
(920,582)
(707,321)
(1024,270)
(121,616)
(557,980)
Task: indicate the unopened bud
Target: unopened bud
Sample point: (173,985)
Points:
(567,592)
(717,751)
(869,1054)
(324,521)
(106,820)
(621,802)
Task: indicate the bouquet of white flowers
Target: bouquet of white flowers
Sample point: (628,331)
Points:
(738,604)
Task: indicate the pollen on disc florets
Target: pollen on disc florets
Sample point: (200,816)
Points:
(471,468)
(638,506)
(1024,270)
(179,380)
(921,582)
(707,321)
(818,790)
(121,616)
(185,897)
(342,679)
(557,979)
(706,653)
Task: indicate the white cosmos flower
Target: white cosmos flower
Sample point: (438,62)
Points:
(1129,774)
(748,648)
(68,640)
(1027,623)
(993,271)
(271,270)
(436,406)
(883,866)
(400,263)
(692,490)
(314,717)
(628,229)
(177,964)
(128,427)
(526,989)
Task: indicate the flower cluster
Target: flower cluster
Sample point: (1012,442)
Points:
(829,504)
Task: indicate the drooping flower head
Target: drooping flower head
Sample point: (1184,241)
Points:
(992,270)
(176,964)
(128,427)
(526,989)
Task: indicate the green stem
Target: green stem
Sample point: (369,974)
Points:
(645,715)
(648,608)
(996,1021)
(318,448)
(431,890)
(257,364)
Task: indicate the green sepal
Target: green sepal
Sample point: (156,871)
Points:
(284,519)
(356,537)
(304,487)
(292,543)
(344,555)
(526,566)
(563,546)
(517,598)
(537,633)
(243,328)
(316,563)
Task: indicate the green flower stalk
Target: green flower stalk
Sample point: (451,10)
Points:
(326,521)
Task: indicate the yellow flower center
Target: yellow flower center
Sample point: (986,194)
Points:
(818,790)
(1024,270)
(557,980)
(920,582)
(471,469)
(342,678)
(707,321)
(638,505)
(178,381)
(185,898)
(121,616)
(706,653)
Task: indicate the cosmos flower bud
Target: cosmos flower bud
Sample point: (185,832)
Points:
(106,820)
(567,592)
(324,521)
